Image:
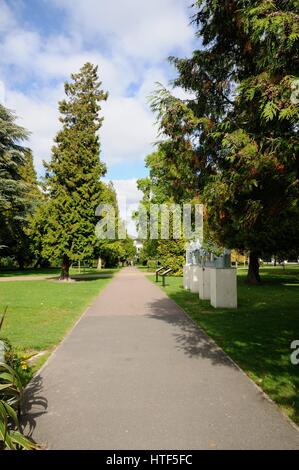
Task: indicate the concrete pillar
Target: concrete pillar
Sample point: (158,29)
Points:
(223,287)
(204,283)
(194,278)
(186,276)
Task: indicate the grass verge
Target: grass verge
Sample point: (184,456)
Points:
(7,273)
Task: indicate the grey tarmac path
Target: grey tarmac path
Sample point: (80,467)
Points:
(136,373)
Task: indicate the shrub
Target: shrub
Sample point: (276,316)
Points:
(171,254)
(152,264)
(11,389)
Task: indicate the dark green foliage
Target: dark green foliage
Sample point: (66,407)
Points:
(176,169)
(12,158)
(171,255)
(18,189)
(12,382)
(119,250)
(67,222)
(234,145)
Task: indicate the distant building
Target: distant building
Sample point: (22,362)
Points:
(138,245)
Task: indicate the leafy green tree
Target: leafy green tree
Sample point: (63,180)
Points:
(12,158)
(16,190)
(73,175)
(118,250)
(176,170)
(29,177)
(20,242)
(169,253)
(242,124)
(129,250)
(37,232)
(110,251)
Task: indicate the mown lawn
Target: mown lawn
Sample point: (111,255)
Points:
(47,271)
(40,313)
(29,272)
(258,334)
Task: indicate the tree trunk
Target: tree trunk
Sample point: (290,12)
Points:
(21,262)
(253,275)
(65,269)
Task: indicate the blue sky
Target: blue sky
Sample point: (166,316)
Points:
(43,41)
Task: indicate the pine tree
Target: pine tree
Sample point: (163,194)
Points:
(73,175)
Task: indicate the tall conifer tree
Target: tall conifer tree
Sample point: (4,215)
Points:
(73,175)
(13,190)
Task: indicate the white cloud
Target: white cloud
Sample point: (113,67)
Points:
(2,92)
(141,29)
(127,131)
(38,114)
(6,18)
(152,76)
(19,47)
(128,40)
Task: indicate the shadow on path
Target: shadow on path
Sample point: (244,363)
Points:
(33,405)
(189,338)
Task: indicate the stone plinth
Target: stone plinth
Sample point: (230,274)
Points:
(194,279)
(223,287)
(204,283)
(186,276)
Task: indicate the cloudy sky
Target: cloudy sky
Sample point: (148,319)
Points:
(43,41)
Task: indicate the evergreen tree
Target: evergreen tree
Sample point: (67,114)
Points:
(73,175)
(176,169)
(13,189)
(29,177)
(242,124)
(20,241)
(12,157)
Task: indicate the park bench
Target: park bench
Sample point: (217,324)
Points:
(164,274)
(157,273)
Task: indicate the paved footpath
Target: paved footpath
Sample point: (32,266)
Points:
(136,373)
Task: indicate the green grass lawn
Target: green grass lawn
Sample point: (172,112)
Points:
(145,269)
(47,271)
(258,334)
(29,272)
(41,312)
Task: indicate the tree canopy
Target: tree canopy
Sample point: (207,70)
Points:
(234,143)
(73,175)
(18,189)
